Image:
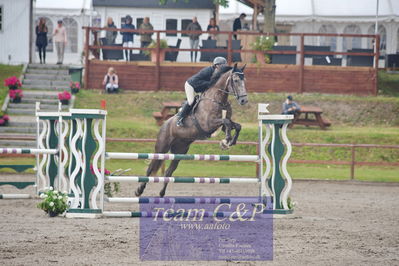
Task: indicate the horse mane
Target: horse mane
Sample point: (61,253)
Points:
(216,76)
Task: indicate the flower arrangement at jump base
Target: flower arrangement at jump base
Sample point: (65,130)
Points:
(12,83)
(75,87)
(4,119)
(108,189)
(64,97)
(54,202)
(15,95)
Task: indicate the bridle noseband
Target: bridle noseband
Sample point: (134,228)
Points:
(230,86)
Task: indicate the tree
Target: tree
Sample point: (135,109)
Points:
(269,12)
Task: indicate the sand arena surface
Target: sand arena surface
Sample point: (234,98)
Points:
(334,223)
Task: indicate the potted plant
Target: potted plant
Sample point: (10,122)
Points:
(262,44)
(4,119)
(12,83)
(75,87)
(162,45)
(54,202)
(15,95)
(64,97)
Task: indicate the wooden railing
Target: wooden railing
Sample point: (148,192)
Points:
(230,51)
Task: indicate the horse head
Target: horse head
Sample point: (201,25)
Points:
(236,84)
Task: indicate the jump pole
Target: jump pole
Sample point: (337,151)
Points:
(274,180)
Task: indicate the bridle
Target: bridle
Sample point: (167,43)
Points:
(230,86)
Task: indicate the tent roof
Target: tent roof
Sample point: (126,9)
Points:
(203,4)
(338,10)
(63,4)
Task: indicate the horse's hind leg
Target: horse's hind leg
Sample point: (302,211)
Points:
(151,171)
(162,146)
(177,148)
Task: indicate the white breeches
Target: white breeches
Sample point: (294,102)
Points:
(190,93)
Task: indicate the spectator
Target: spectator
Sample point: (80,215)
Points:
(290,107)
(194,37)
(41,39)
(213,28)
(60,40)
(238,22)
(111,81)
(110,36)
(146,36)
(127,39)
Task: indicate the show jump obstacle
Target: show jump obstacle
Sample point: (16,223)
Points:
(71,157)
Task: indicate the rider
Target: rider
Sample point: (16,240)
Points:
(198,83)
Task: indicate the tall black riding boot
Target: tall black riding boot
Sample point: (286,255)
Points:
(185,110)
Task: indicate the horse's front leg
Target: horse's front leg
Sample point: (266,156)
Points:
(237,128)
(227,126)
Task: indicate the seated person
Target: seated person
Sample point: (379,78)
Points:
(290,107)
(111,81)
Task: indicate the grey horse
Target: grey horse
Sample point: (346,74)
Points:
(204,120)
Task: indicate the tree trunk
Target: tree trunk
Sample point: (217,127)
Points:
(269,13)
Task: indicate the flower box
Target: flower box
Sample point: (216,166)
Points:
(75,87)
(12,83)
(64,97)
(15,95)
(4,120)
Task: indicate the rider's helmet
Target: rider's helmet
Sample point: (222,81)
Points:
(219,61)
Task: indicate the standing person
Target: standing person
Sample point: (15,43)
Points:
(194,37)
(213,28)
(41,39)
(111,81)
(145,38)
(127,39)
(200,82)
(238,23)
(60,39)
(290,107)
(110,36)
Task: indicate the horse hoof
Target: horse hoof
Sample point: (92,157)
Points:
(138,193)
(224,145)
(162,194)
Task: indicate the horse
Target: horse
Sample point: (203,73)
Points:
(205,118)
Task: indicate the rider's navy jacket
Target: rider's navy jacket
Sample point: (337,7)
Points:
(201,81)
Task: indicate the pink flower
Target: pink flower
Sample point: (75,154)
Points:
(2,121)
(15,94)
(64,96)
(74,85)
(6,117)
(106,171)
(12,81)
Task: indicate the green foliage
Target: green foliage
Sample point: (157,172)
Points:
(388,83)
(111,188)
(162,44)
(263,43)
(53,201)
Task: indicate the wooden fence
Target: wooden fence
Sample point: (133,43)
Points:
(153,76)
